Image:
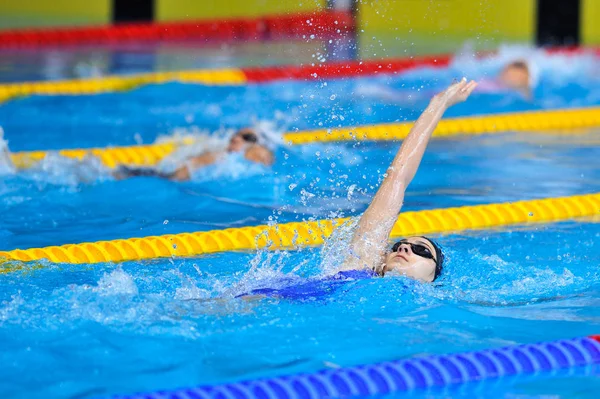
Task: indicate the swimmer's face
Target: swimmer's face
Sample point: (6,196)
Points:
(515,77)
(415,257)
(241,140)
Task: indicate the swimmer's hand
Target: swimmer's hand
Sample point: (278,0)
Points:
(455,93)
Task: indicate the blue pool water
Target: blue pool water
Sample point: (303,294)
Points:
(91,330)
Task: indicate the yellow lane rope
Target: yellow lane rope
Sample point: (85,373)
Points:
(300,234)
(474,125)
(111,157)
(230,76)
(148,155)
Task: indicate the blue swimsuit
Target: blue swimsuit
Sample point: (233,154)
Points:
(313,288)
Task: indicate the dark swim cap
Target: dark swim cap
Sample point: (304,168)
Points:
(439,256)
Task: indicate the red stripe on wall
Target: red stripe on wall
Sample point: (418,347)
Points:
(323,24)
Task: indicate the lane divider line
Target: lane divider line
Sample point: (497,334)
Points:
(216,77)
(412,374)
(296,235)
(241,76)
(571,121)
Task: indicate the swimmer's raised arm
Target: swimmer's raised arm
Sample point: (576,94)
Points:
(375,225)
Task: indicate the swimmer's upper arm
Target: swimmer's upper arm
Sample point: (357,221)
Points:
(183,173)
(204,159)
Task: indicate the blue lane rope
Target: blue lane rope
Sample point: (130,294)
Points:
(402,375)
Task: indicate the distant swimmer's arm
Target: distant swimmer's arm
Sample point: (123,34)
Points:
(260,154)
(375,225)
(183,173)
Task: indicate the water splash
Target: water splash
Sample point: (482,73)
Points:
(59,170)
(336,249)
(6,165)
(116,282)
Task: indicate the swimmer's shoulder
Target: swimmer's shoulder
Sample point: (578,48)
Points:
(206,158)
(260,154)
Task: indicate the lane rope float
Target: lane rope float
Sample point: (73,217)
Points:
(417,373)
(474,125)
(228,76)
(225,76)
(573,120)
(301,234)
(139,155)
(240,76)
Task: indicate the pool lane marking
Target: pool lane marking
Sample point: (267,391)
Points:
(415,373)
(295,235)
(561,121)
(241,76)
(573,120)
(220,77)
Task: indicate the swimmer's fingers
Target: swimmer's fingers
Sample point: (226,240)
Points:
(467,89)
(470,87)
(457,92)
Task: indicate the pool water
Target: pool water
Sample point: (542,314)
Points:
(94,330)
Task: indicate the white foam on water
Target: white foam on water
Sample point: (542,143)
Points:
(336,249)
(116,282)
(6,165)
(56,169)
(559,68)
(491,280)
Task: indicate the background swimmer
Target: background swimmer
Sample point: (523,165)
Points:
(244,141)
(514,76)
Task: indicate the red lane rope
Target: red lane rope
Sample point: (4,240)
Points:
(339,69)
(321,24)
(343,68)
(595,337)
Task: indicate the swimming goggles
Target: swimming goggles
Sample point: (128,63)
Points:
(418,249)
(249,137)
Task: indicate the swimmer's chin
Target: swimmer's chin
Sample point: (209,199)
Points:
(404,272)
(397,271)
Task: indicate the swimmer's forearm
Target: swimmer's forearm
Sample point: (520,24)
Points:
(375,225)
(408,158)
(387,202)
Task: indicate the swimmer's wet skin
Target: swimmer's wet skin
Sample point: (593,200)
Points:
(418,258)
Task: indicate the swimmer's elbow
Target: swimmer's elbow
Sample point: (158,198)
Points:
(181,174)
(269,161)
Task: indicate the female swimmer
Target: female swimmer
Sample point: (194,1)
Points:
(415,257)
(244,141)
(418,258)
